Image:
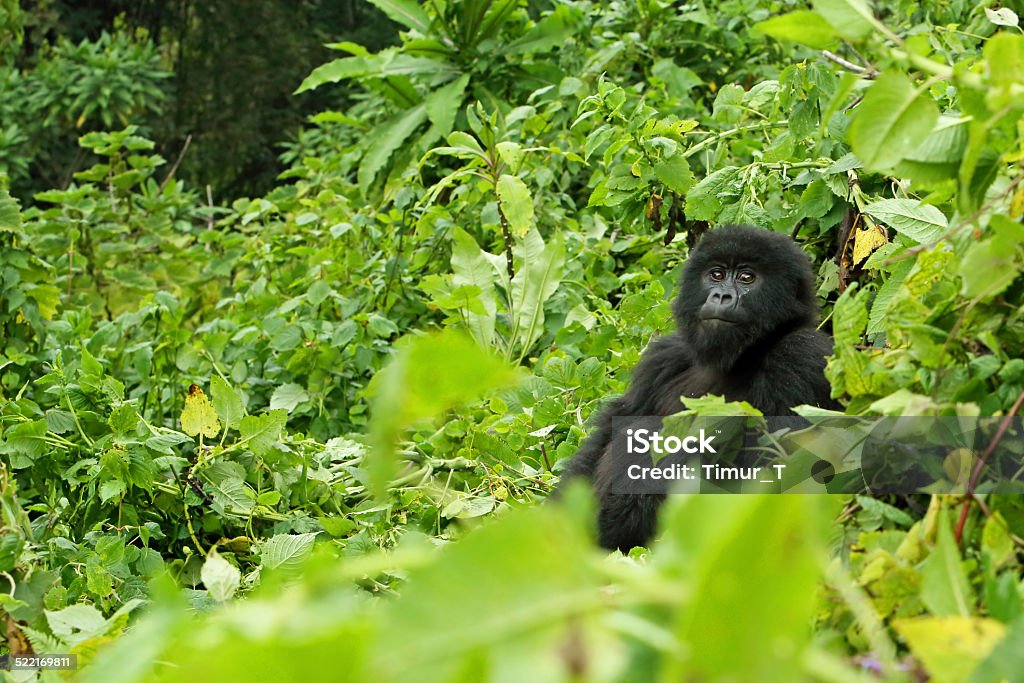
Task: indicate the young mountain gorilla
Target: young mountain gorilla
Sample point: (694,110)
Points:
(746,317)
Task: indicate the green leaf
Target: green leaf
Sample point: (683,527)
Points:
(1005,56)
(532,576)
(385,140)
(287,338)
(945,590)
(538,277)
(992,264)
(675,173)
(10,217)
(891,122)
(1006,660)
(470,267)
(755,556)
(262,432)
(549,32)
(286,552)
(922,223)
(511,153)
(123,419)
(442,106)
(318,291)
(408,13)
(802,26)
(704,201)
(852,19)
(288,396)
(226,402)
(230,494)
(334,71)
(220,577)
(516,204)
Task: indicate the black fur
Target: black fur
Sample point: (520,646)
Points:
(773,358)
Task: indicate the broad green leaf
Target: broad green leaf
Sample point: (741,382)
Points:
(992,264)
(752,565)
(467,507)
(938,158)
(220,577)
(549,32)
(675,173)
(922,223)
(287,397)
(678,80)
(532,579)
(516,204)
(945,589)
(1004,54)
(705,199)
(262,432)
(10,217)
(728,106)
(540,272)
(406,12)
(385,140)
(470,267)
(123,419)
(852,19)
(230,495)
(76,623)
(511,153)
(892,121)
(802,26)
(443,105)
(334,71)
(285,552)
(226,402)
(199,417)
(886,293)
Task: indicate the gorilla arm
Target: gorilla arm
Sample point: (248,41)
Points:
(655,385)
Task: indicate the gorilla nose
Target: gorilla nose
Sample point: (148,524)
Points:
(724,300)
(720,305)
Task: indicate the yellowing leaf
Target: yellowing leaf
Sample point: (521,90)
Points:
(1017,203)
(516,204)
(865,242)
(199,417)
(950,647)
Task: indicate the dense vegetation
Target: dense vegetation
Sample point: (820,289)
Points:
(302,436)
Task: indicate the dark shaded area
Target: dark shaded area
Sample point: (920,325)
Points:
(236,65)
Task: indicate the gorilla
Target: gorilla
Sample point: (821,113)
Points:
(746,320)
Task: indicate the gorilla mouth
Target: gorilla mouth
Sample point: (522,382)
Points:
(715,320)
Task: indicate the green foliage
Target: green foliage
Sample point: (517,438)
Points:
(355,384)
(74,88)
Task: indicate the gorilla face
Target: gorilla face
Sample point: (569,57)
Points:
(726,287)
(741,285)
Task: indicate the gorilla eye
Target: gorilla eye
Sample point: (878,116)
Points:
(717,274)
(746,277)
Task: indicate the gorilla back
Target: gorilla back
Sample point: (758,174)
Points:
(745,329)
